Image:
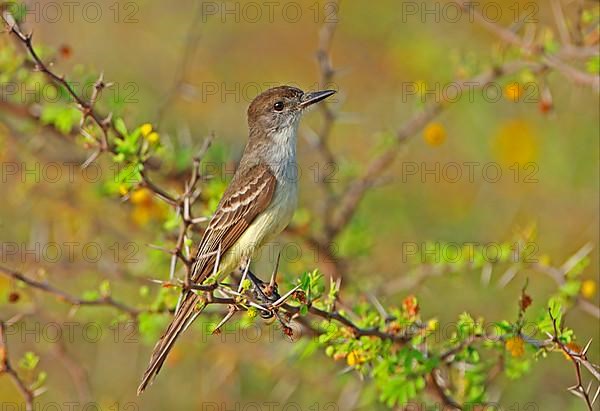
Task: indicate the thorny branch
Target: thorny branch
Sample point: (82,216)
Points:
(181,203)
(7,369)
(61,295)
(339,209)
(579,359)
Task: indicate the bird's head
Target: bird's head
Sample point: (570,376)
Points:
(278,110)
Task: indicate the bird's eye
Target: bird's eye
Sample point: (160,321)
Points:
(278,106)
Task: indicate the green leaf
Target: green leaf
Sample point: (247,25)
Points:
(120,126)
(40,381)
(144,291)
(29,361)
(571,288)
(90,295)
(593,65)
(105,288)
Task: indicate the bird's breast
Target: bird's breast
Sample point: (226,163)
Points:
(285,200)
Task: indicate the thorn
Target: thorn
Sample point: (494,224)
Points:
(100,82)
(508,276)
(172,267)
(232,311)
(285,297)
(244,274)
(108,119)
(260,307)
(90,159)
(378,306)
(86,134)
(586,348)
(274,274)
(596,395)
(576,391)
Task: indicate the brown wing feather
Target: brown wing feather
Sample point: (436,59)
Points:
(237,209)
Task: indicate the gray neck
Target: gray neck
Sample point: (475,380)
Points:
(276,148)
(280,154)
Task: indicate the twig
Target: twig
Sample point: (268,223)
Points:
(69,298)
(578,359)
(7,368)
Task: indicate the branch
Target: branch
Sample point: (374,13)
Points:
(107,301)
(7,368)
(578,358)
(552,61)
(87,108)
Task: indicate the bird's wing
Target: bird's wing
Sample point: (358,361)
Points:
(239,206)
(248,195)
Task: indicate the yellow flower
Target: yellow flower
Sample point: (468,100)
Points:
(354,358)
(433,324)
(123,189)
(588,288)
(146,129)
(434,134)
(141,196)
(513,91)
(153,137)
(515,346)
(516,142)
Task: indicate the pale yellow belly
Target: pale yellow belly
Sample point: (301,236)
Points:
(263,229)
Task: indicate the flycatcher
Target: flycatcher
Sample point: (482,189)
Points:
(256,207)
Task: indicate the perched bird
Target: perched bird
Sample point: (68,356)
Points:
(256,207)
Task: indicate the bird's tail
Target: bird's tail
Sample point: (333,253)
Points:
(187,311)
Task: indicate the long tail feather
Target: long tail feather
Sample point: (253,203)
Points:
(187,311)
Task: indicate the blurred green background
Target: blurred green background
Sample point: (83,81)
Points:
(379,51)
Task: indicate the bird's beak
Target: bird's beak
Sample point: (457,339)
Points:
(308,99)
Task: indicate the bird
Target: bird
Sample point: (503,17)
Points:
(256,206)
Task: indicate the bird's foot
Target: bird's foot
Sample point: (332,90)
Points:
(265,294)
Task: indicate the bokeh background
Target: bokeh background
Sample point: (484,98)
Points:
(379,50)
